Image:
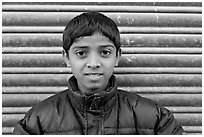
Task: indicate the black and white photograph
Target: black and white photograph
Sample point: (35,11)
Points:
(101,68)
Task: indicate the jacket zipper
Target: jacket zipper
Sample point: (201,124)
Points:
(102,121)
(86,118)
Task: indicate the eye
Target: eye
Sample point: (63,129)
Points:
(105,53)
(81,53)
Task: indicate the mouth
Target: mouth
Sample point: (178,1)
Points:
(93,74)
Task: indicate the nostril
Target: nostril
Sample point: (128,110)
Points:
(93,65)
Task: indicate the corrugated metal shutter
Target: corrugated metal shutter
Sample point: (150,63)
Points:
(162,55)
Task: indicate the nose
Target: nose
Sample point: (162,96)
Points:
(93,62)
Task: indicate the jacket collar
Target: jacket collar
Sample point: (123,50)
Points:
(95,103)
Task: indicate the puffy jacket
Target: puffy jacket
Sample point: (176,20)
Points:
(113,111)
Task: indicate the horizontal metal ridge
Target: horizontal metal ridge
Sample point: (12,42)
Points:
(174,109)
(140,90)
(193,130)
(127,60)
(179,100)
(184,119)
(124,80)
(121,19)
(178,4)
(59,29)
(118,70)
(125,50)
(101,8)
(127,40)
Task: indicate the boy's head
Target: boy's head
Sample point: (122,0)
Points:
(87,24)
(91,45)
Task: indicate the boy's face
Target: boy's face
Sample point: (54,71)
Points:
(92,60)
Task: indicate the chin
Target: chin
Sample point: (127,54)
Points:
(94,87)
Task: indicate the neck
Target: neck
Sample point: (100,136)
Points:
(90,91)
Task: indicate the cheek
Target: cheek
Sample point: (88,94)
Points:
(110,65)
(112,62)
(76,65)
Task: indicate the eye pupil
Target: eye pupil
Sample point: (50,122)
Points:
(105,52)
(81,53)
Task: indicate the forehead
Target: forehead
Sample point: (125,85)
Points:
(95,40)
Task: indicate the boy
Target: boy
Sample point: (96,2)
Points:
(92,104)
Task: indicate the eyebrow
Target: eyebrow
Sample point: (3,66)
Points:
(109,45)
(101,46)
(81,47)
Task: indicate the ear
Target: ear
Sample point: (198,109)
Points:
(118,56)
(66,58)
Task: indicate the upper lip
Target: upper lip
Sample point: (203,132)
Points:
(95,73)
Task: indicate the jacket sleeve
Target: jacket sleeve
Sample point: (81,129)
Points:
(29,125)
(167,124)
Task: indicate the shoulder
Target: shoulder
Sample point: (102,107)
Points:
(48,107)
(146,110)
(136,100)
(51,101)
(44,114)
(150,117)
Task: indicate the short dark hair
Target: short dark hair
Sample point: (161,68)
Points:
(86,24)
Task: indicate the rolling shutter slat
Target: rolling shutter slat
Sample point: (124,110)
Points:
(155,30)
(185,119)
(194,130)
(140,80)
(100,8)
(125,50)
(127,60)
(23,110)
(121,19)
(127,40)
(117,70)
(143,90)
(27,100)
